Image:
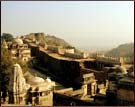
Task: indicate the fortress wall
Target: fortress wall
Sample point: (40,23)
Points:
(70,69)
(34,50)
(44,58)
(89,64)
(53,48)
(65,100)
(70,51)
(98,65)
(67,70)
(72,55)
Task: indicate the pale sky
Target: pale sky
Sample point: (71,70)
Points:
(84,24)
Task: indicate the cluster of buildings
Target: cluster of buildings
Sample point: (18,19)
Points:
(98,81)
(36,91)
(18,49)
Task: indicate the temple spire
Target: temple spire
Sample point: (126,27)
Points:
(4,43)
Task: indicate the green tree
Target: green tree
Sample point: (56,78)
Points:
(6,64)
(7,36)
(6,61)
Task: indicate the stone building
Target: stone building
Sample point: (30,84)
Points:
(53,48)
(70,70)
(76,55)
(89,84)
(121,87)
(40,92)
(125,90)
(19,50)
(97,54)
(120,90)
(35,91)
(72,50)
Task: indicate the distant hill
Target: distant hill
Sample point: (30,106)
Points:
(51,40)
(124,50)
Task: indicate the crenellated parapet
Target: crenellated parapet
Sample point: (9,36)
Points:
(110,60)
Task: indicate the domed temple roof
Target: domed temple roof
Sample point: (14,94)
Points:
(48,79)
(18,41)
(121,69)
(36,80)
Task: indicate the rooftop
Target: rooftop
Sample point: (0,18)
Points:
(18,41)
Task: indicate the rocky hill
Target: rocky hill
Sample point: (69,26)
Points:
(51,40)
(124,50)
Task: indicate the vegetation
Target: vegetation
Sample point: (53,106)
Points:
(6,64)
(124,50)
(7,36)
(52,40)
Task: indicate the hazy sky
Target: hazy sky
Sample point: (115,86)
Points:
(90,24)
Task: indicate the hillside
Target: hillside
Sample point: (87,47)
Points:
(124,50)
(38,36)
(51,40)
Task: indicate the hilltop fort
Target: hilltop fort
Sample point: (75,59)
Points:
(89,79)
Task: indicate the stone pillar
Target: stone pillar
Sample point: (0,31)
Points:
(121,60)
(107,84)
(84,88)
(33,102)
(93,88)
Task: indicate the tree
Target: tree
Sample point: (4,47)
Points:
(6,64)
(7,36)
(6,61)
